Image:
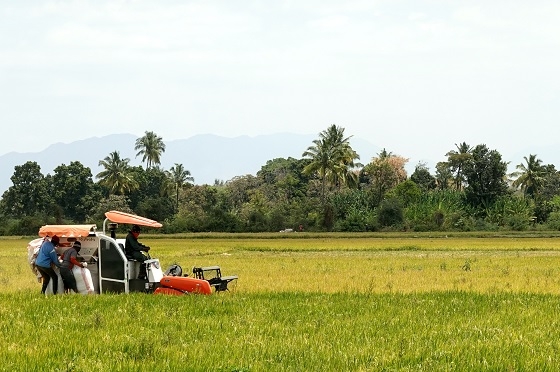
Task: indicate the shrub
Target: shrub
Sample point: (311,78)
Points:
(517,222)
(553,221)
(390,213)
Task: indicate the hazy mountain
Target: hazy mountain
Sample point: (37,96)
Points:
(207,157)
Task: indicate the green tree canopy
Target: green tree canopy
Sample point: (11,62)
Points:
(422,177)
(444,176)
(457,159)
(116,176)
(332,159)
(153,198)
(28,194)
(530,176)
(151,147)
(383,173)
(179,178)
(485,174)
(405,193)
(284,179)
(70,187)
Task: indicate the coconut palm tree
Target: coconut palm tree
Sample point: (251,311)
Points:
(332,159)
(179,177)
(530,177)
(116,175)
(457,160)
(384,154)
(150,146)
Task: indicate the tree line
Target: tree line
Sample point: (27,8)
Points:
(327,189)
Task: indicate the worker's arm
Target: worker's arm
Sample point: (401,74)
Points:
(74,261)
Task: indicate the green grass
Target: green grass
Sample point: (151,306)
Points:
(287,331)
(329,303)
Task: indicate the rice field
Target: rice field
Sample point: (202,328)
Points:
(325,303)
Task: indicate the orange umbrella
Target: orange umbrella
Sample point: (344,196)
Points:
(122,217)
(67,231)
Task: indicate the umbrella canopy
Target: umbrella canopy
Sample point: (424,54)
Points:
(122,217)
(67,231)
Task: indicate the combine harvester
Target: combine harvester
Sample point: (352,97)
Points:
(109,270)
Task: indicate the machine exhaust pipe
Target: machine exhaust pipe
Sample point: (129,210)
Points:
(113,229)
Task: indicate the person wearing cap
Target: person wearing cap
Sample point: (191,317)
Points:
(69,259)
(133,249)
(46,259)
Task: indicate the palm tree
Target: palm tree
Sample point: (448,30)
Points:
(457,160)
(384,154)
(179,177)
(150,146)
(116,176)
(530,177)
(332,158)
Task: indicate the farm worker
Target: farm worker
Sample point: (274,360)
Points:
(133,249)
(46,258)
(69,259)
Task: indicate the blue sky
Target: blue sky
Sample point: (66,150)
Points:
(414,77)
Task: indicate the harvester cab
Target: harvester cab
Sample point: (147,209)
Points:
(124,269)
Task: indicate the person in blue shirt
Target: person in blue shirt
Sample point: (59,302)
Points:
(46,258)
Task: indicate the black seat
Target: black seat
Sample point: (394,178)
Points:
(129,257)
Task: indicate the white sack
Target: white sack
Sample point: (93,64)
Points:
(32,251)
(84,283)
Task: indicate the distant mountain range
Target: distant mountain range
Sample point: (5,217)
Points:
(208,157)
